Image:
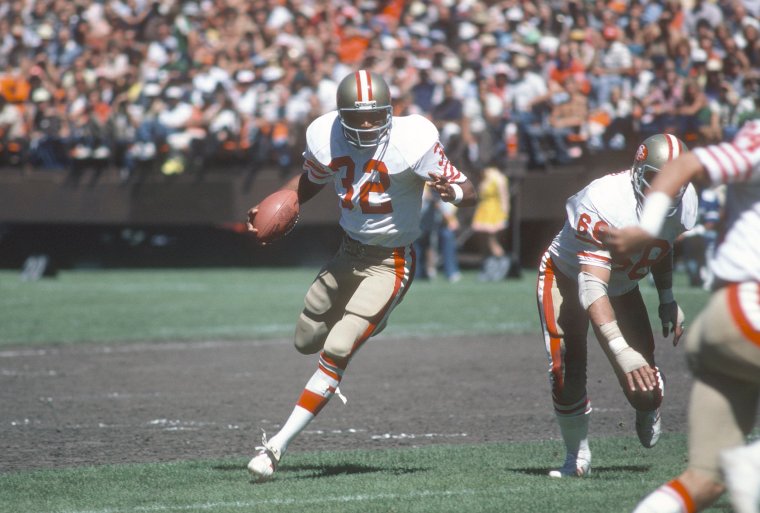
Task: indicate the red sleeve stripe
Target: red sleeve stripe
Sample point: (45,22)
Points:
(315,169)
(710,150)
(732,158)
(594,256)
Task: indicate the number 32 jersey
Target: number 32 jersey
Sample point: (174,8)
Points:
(610,201)
(380,188)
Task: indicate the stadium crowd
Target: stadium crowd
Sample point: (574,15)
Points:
(176,83)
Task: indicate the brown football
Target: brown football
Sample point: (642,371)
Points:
(277,215)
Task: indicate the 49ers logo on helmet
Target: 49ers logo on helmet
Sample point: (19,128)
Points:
(642,153)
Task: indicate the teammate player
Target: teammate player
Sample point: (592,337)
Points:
(378,165)
(723,345)
(580,281)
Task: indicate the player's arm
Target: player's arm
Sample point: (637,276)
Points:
(670,313)
(305,188)
(459,193)
(592,291)
(673,175)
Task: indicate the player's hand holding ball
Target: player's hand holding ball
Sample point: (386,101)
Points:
(274,217)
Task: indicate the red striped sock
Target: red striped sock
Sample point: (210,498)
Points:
(322,384)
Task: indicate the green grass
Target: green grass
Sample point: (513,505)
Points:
(433,479)
(123,306)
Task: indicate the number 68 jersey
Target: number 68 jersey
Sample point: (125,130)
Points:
(379,188)
(611,201)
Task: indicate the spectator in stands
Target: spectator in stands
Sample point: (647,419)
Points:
(568,118)
(612,67)
(176,119)
(117,46)
(657,107)
(695,119)
(448,116)
(527,97)
(49,132)
(13,134)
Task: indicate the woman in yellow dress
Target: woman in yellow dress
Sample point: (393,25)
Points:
(490,219)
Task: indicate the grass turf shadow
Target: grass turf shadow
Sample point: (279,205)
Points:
(532,471)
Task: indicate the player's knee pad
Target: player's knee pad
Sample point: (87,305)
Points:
(310,334)
(344,335)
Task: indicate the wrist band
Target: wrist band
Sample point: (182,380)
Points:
(666,296)
(656,205)
(458,193)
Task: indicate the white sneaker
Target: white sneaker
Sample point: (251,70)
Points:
(741,471)
(263,465)
(648,427)
(573,467)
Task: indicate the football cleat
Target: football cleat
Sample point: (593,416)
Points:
(264,463)
(648,427)
(741,471)
(573,467)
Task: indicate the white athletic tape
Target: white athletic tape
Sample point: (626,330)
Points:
(458,193)
(590,288)
(655,210)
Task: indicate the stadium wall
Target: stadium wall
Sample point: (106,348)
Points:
(99,221)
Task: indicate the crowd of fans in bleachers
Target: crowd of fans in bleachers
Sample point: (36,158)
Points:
(175,85)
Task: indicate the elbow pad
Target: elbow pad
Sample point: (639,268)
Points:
(590,288)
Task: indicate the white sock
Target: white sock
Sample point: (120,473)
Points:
(669,498)
(317,392)
(297,422)
(574,429)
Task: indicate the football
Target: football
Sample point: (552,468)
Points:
(277,215)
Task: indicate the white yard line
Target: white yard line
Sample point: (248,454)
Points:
(139,347)
(296,502)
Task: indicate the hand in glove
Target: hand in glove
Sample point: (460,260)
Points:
(672,319)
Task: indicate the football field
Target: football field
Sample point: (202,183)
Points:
(142,391)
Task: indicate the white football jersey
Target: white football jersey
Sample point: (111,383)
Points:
(611,201)
(379,189)
(737,164)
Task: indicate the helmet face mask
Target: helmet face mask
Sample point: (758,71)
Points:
(652,154)
(364,108)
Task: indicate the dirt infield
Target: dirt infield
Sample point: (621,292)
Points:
(86,404)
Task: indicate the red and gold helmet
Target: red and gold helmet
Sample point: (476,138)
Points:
(652,154)
(364,108)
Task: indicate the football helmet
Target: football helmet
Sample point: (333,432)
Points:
(652,154)
(364,108)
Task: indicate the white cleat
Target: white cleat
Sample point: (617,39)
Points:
(741,471)
(263,465)
(573,467)
(648,427)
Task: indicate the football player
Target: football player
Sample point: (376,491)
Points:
(580,282)
(378,165)
(723,345)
